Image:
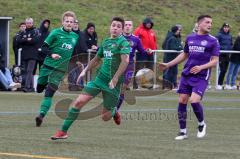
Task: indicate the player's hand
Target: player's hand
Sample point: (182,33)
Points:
(82,74)
(79,64)
(195,69)
(94,47)
(163,66)
(112,84)
(149,51)
(55,56)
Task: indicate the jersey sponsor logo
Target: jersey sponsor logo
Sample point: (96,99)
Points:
(114,45)
(67,46)
(131,43)
(74,40)
(196,49)
(107,54)
(109,46)
(204,42)
(200,92)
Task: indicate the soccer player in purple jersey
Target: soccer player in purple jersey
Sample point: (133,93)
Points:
(201,52)
(135,44)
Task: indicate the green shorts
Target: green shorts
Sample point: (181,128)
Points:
(50,75)
(110,96)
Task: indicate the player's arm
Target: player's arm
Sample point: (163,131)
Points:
(213,62)
(140,47)
(180,58)
(92,64)
(121,69)
(45,49)
(47,43)
(96,60)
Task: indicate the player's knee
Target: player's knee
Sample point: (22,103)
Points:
(50,91)
(195,98)
(183,100)
(79,103)
(106,117)
(192,100)
(40,88)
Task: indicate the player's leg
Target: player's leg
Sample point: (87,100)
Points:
(184,94)
(42,79)
(73,113)
(52,79)
(106,114)
(110,100)
(41,85)
(196,96)
(182,116)
(127,79)
(121,97)
(90,91)
(46,103)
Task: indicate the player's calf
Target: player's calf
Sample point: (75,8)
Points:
(106,116)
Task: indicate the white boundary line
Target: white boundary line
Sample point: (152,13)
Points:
(30,156)
(127,110)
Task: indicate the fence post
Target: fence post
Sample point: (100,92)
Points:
(155,70)
(217,74)
(89,59)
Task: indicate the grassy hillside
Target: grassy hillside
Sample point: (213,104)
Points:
(164,13)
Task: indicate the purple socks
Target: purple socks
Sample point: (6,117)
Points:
(182,115)
(198,111)
(120,101)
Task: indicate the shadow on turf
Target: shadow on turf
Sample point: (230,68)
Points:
(62,106)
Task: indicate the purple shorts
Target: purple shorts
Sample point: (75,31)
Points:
(128,74)
(192,84)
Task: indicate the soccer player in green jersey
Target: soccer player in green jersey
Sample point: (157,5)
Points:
(59,46)
(115,53)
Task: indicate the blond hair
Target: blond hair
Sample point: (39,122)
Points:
(68,14)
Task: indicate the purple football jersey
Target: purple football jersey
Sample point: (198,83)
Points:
(135,44)
(200,49)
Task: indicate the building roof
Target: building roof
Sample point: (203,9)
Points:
(6,18)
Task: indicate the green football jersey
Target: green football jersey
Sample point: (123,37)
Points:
(62,43)
(111,51)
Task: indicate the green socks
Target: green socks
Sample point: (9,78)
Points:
(72,116)
(45,105)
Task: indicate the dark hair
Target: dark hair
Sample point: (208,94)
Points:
(225,25)
(201,17)
(90,24)
(22,23)
(119,19)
